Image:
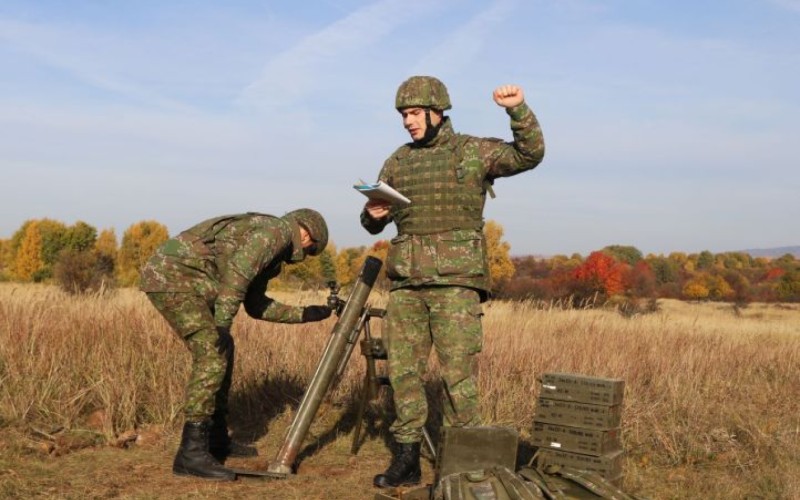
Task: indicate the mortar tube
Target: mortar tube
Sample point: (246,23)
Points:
(345,328)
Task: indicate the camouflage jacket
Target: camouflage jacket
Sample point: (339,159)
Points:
(228,260)
(440,237)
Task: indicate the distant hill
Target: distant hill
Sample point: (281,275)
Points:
(773,252)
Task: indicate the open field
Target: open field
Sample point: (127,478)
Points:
(91,388)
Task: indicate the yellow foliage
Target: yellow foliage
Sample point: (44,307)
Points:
(695,290)
(28,259)
(348,263)
(106,244)
(6,257)
(718,288)
(678,257)
(708,286)
(139,243)
(500,265)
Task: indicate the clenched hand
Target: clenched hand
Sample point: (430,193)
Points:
(508,96)
(315,313)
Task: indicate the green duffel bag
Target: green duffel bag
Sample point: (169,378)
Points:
(559,482)
(495,483)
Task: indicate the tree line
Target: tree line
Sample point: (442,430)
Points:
(79,259)
(619,272)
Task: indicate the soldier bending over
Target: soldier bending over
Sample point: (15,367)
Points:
(197,281)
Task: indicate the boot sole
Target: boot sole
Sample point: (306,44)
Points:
(222,456)
(410,482)
(207,478)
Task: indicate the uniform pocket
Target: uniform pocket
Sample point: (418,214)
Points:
(474,342)
(398,261)
(460,253)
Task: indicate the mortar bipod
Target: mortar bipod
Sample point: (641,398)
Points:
(372,348)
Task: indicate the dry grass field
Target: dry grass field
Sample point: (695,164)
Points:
(91,388)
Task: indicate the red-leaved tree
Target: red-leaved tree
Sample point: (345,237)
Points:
(601,273)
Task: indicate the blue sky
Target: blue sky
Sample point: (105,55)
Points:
(670,126)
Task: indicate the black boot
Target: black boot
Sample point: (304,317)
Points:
(222,446)
(193,458)
(404,469)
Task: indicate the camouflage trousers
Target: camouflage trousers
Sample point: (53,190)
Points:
(192,319)
(447,318)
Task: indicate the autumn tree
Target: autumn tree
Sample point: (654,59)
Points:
(6,260)
(308,272)
(774,273)
(737,260)
(79,272)
(665,270)
(684,262)
(139,242)
(705,260)
(695,289)
(708,286)
(79,237)
(50,241)
(53,237)
(787,262)
(498,254)
(624,253)
(761,262)
(560,262)
(53,234)
(600,273)
(353,260)
(348,264)
(106,249)
(789,286)
(86,263)
(639,280)
(718,288)
(740,285)
(327,262)
(28,262)
(312,272)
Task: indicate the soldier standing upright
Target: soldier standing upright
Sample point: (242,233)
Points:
(197,281)
(437,262)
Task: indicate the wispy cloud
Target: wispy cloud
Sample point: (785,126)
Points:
(793,5)
(461,47)
(294,73)
(77,55)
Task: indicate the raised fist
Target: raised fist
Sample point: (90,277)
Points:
(508,96)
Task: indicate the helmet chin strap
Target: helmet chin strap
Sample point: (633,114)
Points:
(430,130)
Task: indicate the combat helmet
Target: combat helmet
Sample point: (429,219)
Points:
(314,224)
(422,92)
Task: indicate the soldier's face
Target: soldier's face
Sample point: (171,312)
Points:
(414,121)
(305,238)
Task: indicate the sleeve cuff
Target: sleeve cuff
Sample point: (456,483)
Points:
(518,112)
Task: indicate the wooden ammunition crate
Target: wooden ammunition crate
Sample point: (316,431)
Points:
(608,465)
(582,389)
(470,448)
(584,415)
(575,439)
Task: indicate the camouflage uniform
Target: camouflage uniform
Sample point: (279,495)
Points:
(198,280)
(437,262)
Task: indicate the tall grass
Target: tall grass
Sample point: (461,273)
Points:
(711,391)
